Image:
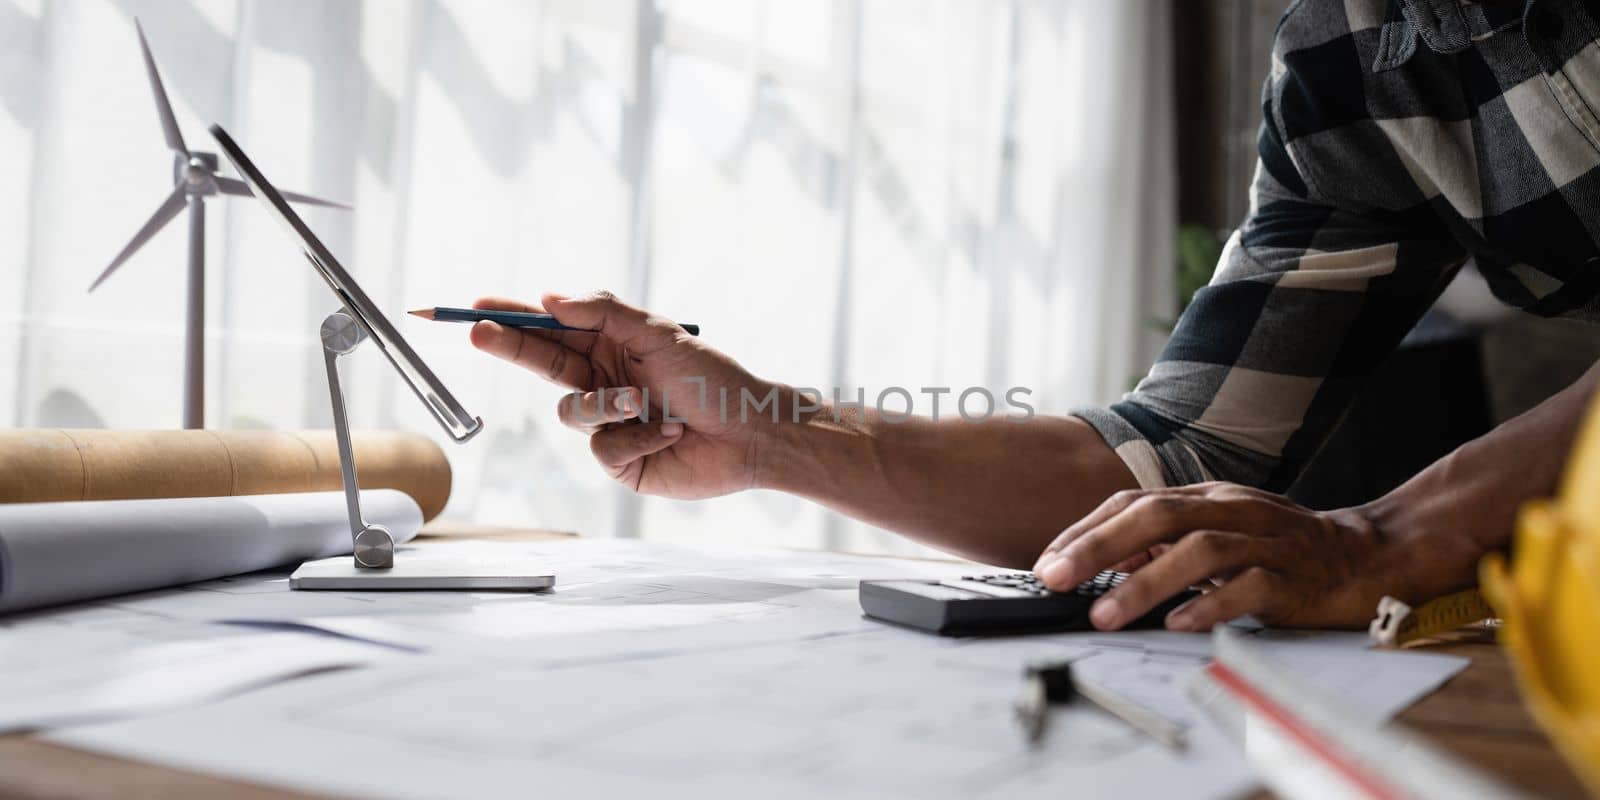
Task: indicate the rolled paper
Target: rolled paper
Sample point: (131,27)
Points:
(54,553)
(50,465)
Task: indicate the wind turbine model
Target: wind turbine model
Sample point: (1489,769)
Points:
(195,174)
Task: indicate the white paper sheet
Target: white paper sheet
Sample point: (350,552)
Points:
(96,664)
(62,552)
(781,690)
(874,713)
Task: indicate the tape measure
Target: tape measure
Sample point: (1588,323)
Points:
(1398,623)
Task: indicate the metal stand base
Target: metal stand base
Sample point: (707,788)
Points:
(374,566)
(416,571)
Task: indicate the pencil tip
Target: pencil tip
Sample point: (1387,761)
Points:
(425,313)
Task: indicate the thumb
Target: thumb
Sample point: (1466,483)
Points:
(631,327)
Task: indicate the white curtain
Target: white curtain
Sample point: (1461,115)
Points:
(843,192)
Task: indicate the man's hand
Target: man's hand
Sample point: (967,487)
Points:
(993,491)
(1269,557)
(709,453)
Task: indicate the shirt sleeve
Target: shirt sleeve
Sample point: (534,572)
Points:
(1311,293)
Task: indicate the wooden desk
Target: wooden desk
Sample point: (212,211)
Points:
(1478,715)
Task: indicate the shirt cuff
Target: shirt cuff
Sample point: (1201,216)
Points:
(1129,445)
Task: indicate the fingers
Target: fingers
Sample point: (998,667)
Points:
(1283,563)
(633,328)
(506,304)
(582,341)
(1196,557)
(616,448)
(1255,591)
(552,360)
(590,411)
(1154,518)
(1113,505)
(1133,562)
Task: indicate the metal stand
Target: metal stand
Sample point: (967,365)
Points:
(374,564)
(373,544)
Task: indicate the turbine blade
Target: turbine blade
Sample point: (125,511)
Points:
(239,188)
(233,186)
(157,221)
(169,123)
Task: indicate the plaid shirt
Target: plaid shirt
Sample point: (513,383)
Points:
(1399,140)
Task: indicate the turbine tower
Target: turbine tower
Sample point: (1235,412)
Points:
(195,177)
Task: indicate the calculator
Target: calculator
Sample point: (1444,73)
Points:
(1006,602)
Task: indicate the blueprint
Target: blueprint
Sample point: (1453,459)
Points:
(683,672)
(90,664)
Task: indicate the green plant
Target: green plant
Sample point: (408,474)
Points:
(1198,250)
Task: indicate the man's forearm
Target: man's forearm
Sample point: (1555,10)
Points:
(995,491)
(1465,504)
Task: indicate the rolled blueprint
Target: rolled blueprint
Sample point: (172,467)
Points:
(46,465)
(60,552)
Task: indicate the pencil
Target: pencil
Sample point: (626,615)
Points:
(511,319)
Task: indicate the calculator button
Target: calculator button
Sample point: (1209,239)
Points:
(988,588)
